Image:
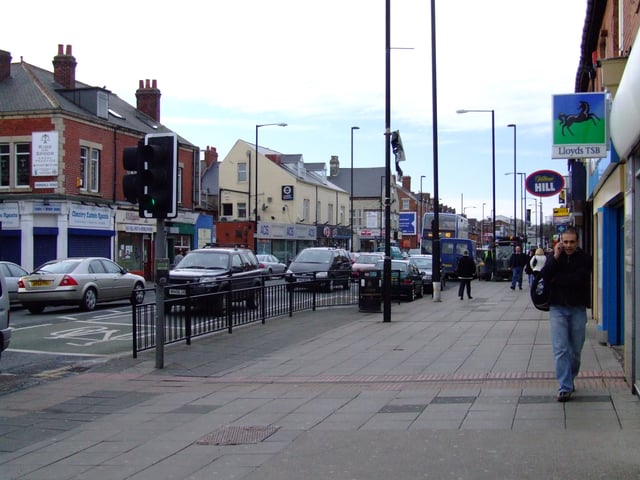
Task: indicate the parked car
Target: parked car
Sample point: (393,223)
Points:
(271,265)
(424,263)
(330,265)
(78,281)
(5,314)
(406,279)
(396,253)
(365,262)
(213,270)
(12,273)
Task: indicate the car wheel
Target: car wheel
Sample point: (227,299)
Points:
(255,299)
(346,285)
(329,285)
(89,300)
(412,294)
(35,309)
(137,295)
(420,292)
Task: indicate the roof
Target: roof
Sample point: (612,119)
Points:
(367,182)
(32,89)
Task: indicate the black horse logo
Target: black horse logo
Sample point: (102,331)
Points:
(582,116)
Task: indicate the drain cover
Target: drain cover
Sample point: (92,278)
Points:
(238,435)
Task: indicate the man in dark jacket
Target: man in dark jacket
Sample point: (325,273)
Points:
(517,263)
(465,271)
(567,273)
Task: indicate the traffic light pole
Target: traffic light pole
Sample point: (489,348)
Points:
(162,271)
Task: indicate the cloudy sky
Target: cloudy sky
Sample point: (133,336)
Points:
(225,66)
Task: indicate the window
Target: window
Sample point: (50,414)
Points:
(227,209)
(342,219)
(242,172)
(330,217)
(318,212)
(15,162)
(89,169)
(306,210)
(242,210)
(179,185)
(405,204)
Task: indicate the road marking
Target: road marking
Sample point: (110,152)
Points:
(32,326)
(101,322)
(88,335)
(44,352)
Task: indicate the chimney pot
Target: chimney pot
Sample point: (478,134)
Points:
(5,65)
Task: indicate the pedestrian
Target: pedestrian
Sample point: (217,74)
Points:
(517,262)
(567,274)
(465,271)
(537,262)
(488,265)
(179,256)
(527,268)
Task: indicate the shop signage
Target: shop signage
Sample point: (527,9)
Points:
(579,125)
(544,183)
(44,161)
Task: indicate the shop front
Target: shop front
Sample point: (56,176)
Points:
(285,240)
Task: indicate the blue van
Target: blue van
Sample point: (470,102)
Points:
(451,249)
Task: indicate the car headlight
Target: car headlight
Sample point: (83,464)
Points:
(289,272)
(322,274)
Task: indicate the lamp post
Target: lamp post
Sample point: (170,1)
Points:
(351,191)
(523,202)
(482,226)
(255,230)
(515,217)
(493,180)
(535,218)
(420,215)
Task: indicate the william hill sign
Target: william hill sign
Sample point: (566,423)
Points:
(544,183)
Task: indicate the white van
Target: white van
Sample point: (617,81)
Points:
(5,330)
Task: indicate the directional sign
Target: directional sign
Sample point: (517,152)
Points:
(408,223)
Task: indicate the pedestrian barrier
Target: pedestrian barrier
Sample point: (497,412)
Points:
(194,315)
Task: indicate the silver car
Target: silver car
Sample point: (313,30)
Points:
(12,273)
(271,265)
(79,281)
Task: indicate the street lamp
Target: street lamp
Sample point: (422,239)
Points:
(420,226)
(255,230)
(515,217)
(351,190)
(493,179)
(482,226)
(523,202)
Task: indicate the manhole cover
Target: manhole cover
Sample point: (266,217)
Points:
(237,435)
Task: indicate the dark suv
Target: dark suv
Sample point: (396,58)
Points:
(330,265)
(213,270)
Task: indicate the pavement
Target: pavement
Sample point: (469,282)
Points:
(446,390)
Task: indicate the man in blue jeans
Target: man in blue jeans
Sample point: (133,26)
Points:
(517,263)
(567,274)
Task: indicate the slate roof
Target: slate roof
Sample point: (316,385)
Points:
(366,181)
(31,89)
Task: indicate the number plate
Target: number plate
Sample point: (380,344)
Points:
(40,283)
(178,291)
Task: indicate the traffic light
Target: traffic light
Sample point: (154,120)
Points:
(131,182)
(153,186)
(159,177)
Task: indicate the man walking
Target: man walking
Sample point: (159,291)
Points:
(465,271)
(567,274)
(517,262)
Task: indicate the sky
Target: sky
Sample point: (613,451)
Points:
(224,67)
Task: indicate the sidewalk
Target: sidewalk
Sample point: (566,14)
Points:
(455,389)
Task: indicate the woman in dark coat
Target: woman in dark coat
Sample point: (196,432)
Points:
(465,271)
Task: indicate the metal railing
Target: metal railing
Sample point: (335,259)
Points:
(194,315)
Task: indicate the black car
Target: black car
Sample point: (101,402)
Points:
(331,266)
(212,270)
(406,279)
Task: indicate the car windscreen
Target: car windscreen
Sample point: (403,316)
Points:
(368,259)
(65,266)
(422,263)
(314,256)
(210,260)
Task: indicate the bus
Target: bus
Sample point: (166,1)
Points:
(450,225)
(454,240)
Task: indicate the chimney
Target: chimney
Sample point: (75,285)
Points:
(406,183)
(148,98)
(210,156)
(5,65)
(64,68)
(334,166)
